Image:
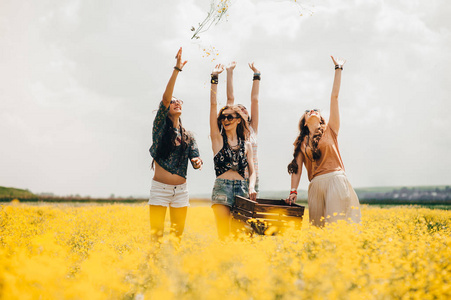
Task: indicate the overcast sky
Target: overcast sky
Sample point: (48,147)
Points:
(80,82)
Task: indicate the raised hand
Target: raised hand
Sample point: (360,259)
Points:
(338,62)
(179,63)
(231,66)
(253,68)
(167,95)
(217,69)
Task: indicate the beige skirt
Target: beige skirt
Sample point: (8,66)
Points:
(331,198)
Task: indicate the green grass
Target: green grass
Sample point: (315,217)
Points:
(15,193)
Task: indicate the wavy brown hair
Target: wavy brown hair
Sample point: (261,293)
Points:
(167,144)
(241,106)
(242,129)
(305,132)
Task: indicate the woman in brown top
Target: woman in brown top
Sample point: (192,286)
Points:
(330,195)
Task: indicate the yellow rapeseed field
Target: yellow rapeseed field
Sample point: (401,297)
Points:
(104,252)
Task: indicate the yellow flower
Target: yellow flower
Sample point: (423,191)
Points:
(104,252)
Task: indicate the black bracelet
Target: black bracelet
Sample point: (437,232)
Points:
(214,79)
(178,69)
(338,67)
(256,77)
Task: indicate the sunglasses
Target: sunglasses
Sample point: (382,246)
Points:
(309,110)
(177,101)
(227,117)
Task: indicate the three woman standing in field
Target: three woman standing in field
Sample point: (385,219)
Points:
(233,135)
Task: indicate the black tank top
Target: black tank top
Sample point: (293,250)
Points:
(229,159)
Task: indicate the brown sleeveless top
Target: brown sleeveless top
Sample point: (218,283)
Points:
(330,160)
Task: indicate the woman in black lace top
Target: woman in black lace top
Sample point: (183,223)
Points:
(229,132)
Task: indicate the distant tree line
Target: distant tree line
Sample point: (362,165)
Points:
(71,198)
(404,195)
(415,195)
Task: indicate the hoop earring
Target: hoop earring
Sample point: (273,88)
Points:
(222,127)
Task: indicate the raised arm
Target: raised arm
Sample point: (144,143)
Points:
(214,130)
(254,97)
(230,96)
(334,119)
(167,95)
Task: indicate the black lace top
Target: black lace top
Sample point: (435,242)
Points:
(229,159)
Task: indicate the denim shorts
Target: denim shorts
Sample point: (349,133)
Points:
(162,194)
(225,190)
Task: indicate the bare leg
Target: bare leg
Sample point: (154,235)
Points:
(157,215)
(222,215)
(178,217)
(236,227)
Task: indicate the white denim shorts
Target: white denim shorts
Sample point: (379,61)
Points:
(168,195)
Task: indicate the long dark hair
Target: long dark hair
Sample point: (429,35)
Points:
(303,132)
(167,144)
(242,129)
